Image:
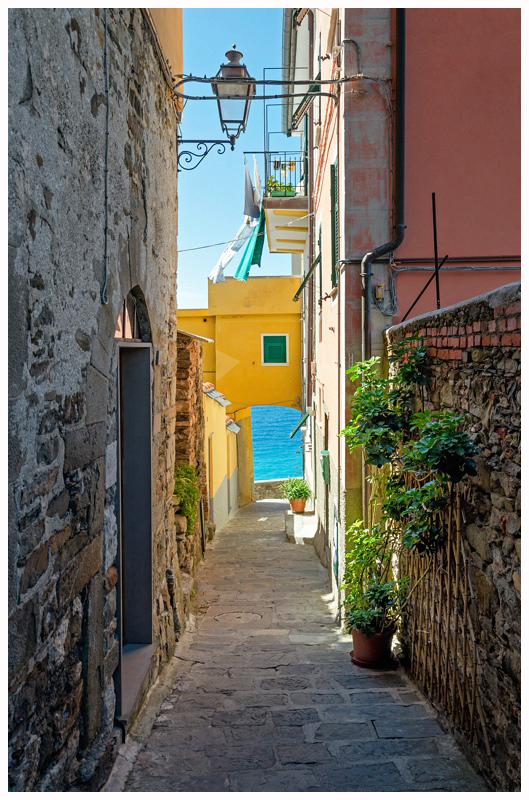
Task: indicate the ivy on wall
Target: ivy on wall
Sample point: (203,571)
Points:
(187,490)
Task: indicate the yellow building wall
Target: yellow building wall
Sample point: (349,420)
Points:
(217,451)
(168,24)
(238,314)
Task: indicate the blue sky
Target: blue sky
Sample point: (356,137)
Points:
(211,197)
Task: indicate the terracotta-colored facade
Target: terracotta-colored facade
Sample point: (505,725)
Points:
(461,141)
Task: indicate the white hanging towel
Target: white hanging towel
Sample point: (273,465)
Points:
(258,194)
(243,234)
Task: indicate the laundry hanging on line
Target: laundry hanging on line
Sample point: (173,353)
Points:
(243,234)
(253,251)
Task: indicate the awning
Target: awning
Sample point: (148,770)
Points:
(304,418)
(306,102)
(305,279)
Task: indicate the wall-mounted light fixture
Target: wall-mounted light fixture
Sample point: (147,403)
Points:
(234,90)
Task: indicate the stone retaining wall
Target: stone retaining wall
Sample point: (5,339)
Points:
(189,449)
(267,490)
(475,355)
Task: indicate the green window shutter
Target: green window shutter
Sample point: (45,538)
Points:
(275,349)
(334,223)
(326,466)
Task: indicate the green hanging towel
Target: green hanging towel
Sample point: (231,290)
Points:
(253,251)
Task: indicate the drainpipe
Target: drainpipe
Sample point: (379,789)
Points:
(372,255)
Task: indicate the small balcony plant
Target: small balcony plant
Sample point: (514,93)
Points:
(278,189)
(297,491)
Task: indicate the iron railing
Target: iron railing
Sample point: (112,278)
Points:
(285,174)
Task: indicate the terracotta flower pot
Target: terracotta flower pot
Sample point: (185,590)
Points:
(372,651)
(298,506)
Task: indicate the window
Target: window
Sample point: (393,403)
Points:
(274,348)
(335,223)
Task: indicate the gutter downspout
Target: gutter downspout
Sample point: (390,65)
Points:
(372,255)
(288,62)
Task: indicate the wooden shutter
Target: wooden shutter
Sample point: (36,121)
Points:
(334,223)
(275,349)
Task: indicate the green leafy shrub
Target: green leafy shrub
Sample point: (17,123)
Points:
(418,457)
(296,489)
(186,489)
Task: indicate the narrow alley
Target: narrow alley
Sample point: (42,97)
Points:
(266,698)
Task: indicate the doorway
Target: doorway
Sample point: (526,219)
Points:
(135,539)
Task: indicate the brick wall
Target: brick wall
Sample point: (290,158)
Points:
(475,356)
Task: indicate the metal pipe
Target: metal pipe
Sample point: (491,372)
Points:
(383,249)
(436,256)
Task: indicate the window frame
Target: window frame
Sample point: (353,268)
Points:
(287,351)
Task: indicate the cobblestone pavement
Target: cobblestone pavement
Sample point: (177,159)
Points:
(266,698)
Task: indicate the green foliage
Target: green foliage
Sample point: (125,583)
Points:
(411,357)
(441,446)
(418,457)
(296,489)
(377,609)
(186,489)
(273,185)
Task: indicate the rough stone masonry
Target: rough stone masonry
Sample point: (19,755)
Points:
(474,349)
(63,380)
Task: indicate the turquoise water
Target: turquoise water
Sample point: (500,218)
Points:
(275,455)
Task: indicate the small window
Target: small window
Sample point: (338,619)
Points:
(275,350)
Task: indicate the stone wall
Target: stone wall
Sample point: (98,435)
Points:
(63,370)
(267,490)
(190,450)
(475,355)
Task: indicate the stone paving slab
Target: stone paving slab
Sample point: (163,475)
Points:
(265,698)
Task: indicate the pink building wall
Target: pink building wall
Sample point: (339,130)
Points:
(463,143)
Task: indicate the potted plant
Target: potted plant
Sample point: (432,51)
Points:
(278,189)
(373,600)
(297,491)
(372,619)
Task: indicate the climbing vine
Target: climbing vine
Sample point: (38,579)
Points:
(187,491)
(414,458)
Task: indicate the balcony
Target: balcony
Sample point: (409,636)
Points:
(286,202)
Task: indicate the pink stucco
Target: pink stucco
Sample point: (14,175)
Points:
(463,143)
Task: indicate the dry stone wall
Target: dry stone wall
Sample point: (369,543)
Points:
(190,451)
(63,370)
(475,356)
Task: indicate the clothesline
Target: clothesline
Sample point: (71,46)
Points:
(217,244)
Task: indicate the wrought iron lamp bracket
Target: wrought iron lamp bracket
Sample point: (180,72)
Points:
(203,146)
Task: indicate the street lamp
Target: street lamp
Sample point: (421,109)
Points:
(234,89)
(233,95)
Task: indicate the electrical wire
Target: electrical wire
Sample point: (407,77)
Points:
(217,244)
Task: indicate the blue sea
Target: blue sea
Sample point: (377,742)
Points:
(275,454)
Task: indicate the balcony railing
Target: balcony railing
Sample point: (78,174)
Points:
(285,174)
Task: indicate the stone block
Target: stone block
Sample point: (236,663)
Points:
(111,464)
(304,754)
(78,573)
(22,637)
(407,728)
(329,731)
(96,395)
(36,566)
(93,661)
(180,523)
(84,445)
(59,505)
